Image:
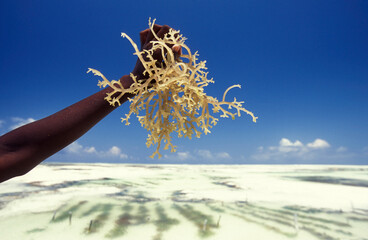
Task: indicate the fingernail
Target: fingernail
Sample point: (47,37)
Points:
(177,49)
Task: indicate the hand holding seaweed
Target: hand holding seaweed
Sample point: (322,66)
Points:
(169,92)
(146,38)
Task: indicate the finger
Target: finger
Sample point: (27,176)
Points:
(150,37)
(164,29)
(143,36)
(177,50)
(158,56)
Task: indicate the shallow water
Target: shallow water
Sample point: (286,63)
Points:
(106,201)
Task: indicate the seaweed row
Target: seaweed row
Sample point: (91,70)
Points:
(163,222)
(204,223)
(288,223)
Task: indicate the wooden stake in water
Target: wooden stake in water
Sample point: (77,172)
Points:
(296,224)
(70,218)
(218,221)
(90,226)
(204,225)
(53,216)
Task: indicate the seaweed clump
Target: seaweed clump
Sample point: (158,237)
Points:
(172,98)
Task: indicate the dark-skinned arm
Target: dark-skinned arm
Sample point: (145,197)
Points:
(24,148)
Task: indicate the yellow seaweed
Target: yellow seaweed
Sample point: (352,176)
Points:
(172,99)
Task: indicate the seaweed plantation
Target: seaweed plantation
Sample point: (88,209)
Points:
(177,204)
(116,219)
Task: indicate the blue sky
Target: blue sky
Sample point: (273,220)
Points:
(303,67)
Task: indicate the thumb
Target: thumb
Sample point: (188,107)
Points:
(177,50)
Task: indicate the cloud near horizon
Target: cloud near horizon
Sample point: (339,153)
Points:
(288,149)
(18,122)
(77,148)
(15,122)
(204,154)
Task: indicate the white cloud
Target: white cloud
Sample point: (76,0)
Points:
(205,154)
(289,149)
(90,150)
(18,122)
(285,145)
(75,147)
(1,123)
(284,142)
(114,151)
(318,144)
(183,155)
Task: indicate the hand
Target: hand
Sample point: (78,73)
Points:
(146,38)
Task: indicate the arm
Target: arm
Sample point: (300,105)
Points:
(24,148)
